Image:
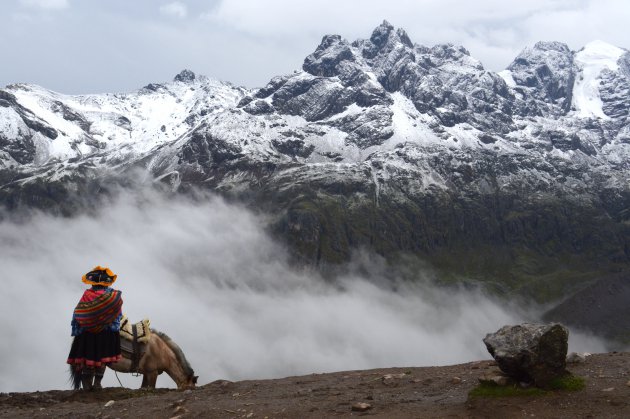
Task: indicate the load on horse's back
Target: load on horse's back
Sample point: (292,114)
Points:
(96,327)
(158,353)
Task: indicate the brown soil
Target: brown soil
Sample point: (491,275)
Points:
(428,392)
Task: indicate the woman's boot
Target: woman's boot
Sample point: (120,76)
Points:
(87,375)
(98,376)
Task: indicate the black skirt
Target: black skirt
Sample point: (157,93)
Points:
(95,349)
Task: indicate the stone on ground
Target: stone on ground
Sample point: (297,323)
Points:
(361,407)
(577,358)
(532,353)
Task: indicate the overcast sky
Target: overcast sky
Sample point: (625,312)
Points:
(92,46)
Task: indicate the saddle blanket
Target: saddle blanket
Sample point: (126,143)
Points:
(143,330)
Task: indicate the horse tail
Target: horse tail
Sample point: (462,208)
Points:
(75,377)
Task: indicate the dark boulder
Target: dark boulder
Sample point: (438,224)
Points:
(532,353)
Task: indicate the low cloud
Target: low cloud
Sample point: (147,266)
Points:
(208,275)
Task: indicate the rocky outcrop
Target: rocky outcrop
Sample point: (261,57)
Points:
(185,76)
(203,150)
(615,90)
(531,353)
(545,73)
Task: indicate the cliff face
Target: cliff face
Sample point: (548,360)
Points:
(518,178)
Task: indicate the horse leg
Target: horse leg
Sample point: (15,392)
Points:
(151,379)
(145,384)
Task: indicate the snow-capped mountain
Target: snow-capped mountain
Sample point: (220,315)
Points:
(378,143)
(53,126)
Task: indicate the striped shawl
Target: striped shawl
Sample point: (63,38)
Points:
(97,310)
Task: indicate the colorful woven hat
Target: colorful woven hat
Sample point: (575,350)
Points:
(99,276)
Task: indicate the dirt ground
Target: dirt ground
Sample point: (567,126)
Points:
(426,392)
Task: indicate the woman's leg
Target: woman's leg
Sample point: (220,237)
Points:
(87,375)
(98,376)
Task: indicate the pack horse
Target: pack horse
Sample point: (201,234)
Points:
(150,353)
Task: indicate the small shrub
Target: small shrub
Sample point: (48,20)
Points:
(491,390)
(566,383)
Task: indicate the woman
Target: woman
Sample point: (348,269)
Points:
(95,327)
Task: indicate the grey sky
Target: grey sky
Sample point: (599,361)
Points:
(89,46)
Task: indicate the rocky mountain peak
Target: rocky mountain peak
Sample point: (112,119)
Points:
(384,39)
(449,53)
(547,71)
(381,33)
(185,76)
(328,56)
(555,46)
(549,54)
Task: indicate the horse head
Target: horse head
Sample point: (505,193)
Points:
(189,383)
(173,361)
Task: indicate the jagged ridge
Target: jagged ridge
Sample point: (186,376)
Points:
(378,143)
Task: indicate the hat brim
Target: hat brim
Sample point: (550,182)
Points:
(108,271)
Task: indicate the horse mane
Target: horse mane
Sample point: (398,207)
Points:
(177,351)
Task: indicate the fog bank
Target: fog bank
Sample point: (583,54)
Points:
(210,277)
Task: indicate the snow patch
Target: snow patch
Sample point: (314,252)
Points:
(591,60)
(353,109)
(10,123)
(409,124)
(506,75)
